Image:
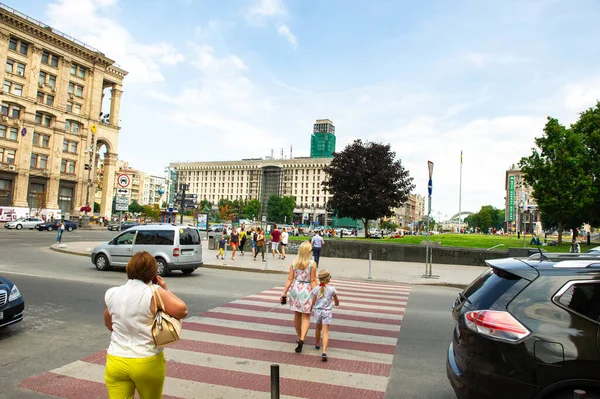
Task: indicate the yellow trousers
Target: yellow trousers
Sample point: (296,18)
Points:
(124,375)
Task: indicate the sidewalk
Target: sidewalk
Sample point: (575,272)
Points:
(353,269)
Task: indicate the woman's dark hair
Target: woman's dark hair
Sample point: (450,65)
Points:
(142,266)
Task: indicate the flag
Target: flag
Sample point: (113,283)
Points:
(460,156)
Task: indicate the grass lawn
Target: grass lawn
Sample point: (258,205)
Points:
(472,241)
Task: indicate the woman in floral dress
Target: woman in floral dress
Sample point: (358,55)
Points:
(301,280)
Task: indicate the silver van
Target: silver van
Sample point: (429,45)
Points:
(175,247)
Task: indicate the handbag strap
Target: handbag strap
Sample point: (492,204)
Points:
(156,294)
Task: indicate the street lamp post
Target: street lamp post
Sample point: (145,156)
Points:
(89,178)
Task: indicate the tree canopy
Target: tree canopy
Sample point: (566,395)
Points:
(563,172)
(487,217)
(281,209)
(366,182)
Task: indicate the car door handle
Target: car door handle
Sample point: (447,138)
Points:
(128,249)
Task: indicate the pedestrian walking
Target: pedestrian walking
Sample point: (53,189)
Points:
(317,244)
(275,238)
(133,362)
(222,242)
(284,241)
(60,229)
(234,240)
(243,238)
(300,283)
(323,298)
(260,243)
(253,236)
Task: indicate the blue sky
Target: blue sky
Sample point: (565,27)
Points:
(226,80)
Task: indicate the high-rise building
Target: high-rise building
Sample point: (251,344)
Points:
(322,141)
(52,122)
(521,210)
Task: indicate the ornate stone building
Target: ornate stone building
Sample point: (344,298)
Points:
(52,122)
(412,212)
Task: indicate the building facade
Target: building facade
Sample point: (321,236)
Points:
(259,179)
(51,126)
(521,210)
(322,141)
(413,211)
(154,190)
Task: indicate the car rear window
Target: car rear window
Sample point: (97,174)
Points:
(488,288)
(584,299)
(189,237)
(165,237)
(145,237)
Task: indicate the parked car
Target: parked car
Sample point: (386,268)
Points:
(175,247)
(528,328)
(217,227)
(28,223)
(122,226)
(11,303)
(595,249)
(50,226)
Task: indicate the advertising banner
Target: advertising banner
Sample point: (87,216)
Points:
(511,198)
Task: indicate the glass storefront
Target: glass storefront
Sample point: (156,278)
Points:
(65,199)
(37,196)
(5,192)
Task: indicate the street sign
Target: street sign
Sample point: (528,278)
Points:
(123,191)
(123,181)
(122,203)
(93,128)
(264,218)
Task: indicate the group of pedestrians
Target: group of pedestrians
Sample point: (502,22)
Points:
(306,298)
(257,237)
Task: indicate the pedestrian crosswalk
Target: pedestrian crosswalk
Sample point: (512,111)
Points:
(227,351)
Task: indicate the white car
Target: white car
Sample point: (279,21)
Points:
(595,250)
(28,223)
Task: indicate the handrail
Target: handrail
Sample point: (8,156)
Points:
(495,246)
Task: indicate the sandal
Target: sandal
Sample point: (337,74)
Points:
(299,347)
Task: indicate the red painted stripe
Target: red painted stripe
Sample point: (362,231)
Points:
(402,302)
(286,310)
(290,323)
(342,306)
(291,338)
(346,294)
(70,388)
(350,366)
(346,290)
(261,383)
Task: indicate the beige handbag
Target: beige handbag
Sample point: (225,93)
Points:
(165,328)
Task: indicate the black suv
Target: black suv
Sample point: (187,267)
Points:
(529,328)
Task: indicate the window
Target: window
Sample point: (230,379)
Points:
(78,70)
(39,161)
(15,67)
(65,199)
(50,100)
(70,146)
(41,140)
(189,237)
(23,48)
(145,237)
(13,133)
(7,156)
(12,44)
(75,89)
(14,111)
(18,45)
(43,119)
(40,96)
(74,108)
(49,59)
(67,166)
(18,90)
(584,299)
(7,86)
(72,126)
(125,238)
(5,189)
(46,78)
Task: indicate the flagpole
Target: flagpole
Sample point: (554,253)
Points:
(460,195)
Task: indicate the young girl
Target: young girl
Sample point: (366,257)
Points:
(323,298)
(221,247)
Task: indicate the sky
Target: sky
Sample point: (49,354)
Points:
(214,80)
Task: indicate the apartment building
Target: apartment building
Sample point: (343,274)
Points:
(52,122)
(411,212)
(154,189)
(259,179)
(521,210)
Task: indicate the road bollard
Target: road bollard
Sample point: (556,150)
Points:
(274,381)
(579,394)
(370,256)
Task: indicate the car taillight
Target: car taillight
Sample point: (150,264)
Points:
(175,252)
(496,324)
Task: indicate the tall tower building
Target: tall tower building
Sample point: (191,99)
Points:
(322,141)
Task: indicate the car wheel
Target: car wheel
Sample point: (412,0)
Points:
(69,229)
(102,263)
(187,272)
(19,227)
(50,228)
(162,267)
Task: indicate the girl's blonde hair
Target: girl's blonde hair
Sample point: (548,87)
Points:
(324,278)
(303,258)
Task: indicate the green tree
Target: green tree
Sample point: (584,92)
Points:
(281,209)
(366,182)
(205,206)
(151,211)
(556,170)
(388,225)
(252,209)
(134,207)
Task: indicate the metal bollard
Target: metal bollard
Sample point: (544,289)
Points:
(579,394)
(370,255)
(274,381)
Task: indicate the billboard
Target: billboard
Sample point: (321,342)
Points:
(511,198)
(202,221)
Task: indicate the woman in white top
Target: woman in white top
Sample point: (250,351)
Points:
(133,361)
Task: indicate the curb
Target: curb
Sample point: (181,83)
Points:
(271,271)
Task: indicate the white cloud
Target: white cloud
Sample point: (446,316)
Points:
(285,31)
(267,8)
(84,19)
(581,95)
(481,60)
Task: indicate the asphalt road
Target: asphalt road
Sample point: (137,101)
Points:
(64,304)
